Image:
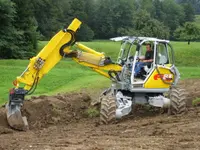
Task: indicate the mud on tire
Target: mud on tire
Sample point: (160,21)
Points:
(178,101)
(108,108)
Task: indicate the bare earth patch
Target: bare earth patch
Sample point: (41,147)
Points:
(60,122)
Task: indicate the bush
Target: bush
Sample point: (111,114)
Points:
(85,33)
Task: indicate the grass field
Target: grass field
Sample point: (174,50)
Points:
(69,76)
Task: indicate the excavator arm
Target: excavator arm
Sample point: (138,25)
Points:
(56,49)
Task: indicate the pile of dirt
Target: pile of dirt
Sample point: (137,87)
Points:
(4,128)
(44,111)
(192,89)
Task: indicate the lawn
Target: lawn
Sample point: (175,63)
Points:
(69,76)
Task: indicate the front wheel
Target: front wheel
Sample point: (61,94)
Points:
(178,101)
(108,109)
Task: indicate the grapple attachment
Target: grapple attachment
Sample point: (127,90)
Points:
(13,110)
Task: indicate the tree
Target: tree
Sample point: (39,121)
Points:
(49,16)
(112,15)
(104,20)
(144,25)
(7,30)
(174,15)
(189,12)
(157,11)
(80,9)
(85,33)
(146,5)
(189,32)
(194,3)
(25,25)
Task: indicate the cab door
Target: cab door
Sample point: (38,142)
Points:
(161,76)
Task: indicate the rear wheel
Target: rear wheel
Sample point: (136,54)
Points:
(108,109)
(178,101)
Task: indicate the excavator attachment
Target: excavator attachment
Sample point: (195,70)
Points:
(13,110)
(39,65)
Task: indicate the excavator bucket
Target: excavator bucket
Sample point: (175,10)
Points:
(15,119)
(13,112)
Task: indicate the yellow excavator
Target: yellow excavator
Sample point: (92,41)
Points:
(149,86)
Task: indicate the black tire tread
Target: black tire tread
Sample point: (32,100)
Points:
(178,101)
(108,108)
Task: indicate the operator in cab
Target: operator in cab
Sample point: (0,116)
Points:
(143,61)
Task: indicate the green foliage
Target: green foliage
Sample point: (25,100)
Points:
(196,102)
(195,4)
(190,31)
(49,17)
(92,112)
(197,20)
(174,14)
(112,15)
(7,12)
(189,12)
(104,22)
(83,10)
(18,31)
(144,25)
(7,30)
(157,11)
(24,22)
(85,33)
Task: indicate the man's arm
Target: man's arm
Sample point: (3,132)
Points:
(147,60)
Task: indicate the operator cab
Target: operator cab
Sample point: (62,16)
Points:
(140,62)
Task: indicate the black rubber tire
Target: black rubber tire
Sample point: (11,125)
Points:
(108,109)
(104,93)
(178,101)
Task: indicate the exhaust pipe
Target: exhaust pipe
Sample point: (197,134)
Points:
(13,110)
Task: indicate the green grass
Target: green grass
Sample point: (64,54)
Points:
(189,72)
(196,102)
(69,76)
(66,76)
(187,55)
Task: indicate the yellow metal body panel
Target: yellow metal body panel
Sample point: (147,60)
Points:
(102,72)
(155,81)
(50,54)
(89,50)
(91,58)
(100,69)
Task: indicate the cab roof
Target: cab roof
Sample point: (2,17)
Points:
(131,39)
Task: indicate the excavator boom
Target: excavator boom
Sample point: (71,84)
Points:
(56,49)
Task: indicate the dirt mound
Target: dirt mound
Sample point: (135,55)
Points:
(192,88)
(4,128)
(44,111)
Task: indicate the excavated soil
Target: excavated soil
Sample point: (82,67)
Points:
(61,122)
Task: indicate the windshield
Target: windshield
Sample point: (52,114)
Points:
(162,55)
